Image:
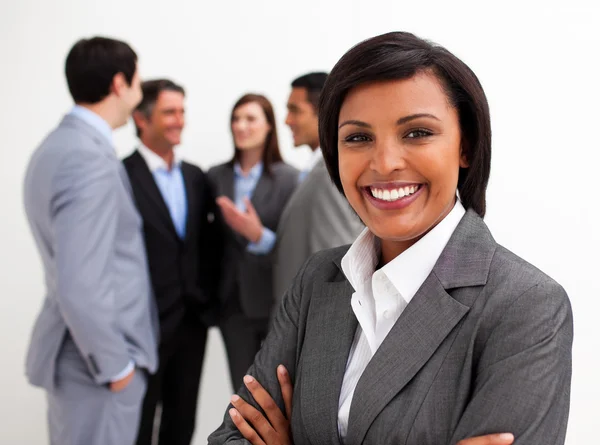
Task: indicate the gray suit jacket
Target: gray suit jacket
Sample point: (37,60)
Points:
(89,235)
(244,274)
(483,347)
(317,217)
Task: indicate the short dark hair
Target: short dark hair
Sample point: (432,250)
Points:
(401,55)
(151,89)
(92,65)
(271,153)
(314,83)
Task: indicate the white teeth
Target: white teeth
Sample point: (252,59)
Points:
(393,194)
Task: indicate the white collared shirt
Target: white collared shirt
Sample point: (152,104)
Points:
(155,162)
(381,295)
(314,159)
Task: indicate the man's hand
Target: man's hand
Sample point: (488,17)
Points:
(120,385)
(246,223)
(250,421)
(489,439)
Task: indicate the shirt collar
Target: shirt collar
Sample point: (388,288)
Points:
(254,172)
(155,162)
(91,118)
(314,159)
(408,271)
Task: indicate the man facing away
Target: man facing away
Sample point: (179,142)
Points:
(317,216)
(95,338)
(182,244)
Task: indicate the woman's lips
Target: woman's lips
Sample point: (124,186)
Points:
(392,196)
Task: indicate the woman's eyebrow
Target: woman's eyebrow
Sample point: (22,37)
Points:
(411,117)
(400,121)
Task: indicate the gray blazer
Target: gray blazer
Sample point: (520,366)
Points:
(244,274)
(317,217)
(89,235)
(483,347)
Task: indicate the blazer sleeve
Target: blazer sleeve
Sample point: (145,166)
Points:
(523,378)
(280,347)
(85,212)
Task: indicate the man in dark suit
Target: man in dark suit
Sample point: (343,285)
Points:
(177,205)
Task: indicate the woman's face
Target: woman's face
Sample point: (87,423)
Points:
(399,145)
(249,127)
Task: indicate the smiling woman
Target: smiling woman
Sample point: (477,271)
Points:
(425,331)
(252,191)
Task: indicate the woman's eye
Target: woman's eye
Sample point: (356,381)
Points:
(420,133)
(357,138)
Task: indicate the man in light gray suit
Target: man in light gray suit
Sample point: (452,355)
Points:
(95,337)
(317,216)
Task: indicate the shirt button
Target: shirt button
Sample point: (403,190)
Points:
(387,314)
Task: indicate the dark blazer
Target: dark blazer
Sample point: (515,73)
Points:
(183,271)
(483,347)
(251,274)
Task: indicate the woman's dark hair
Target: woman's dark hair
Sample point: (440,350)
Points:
(271,153)
(401,55)
(93,63)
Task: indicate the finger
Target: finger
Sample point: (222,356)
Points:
(266,402)
(223,199)
(286,389)
(253,416)
(247,431)
(489,439)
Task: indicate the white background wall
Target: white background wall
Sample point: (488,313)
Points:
(538,62)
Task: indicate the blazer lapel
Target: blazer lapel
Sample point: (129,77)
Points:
(423,325)
(330,335)
(428,319)
(262,190)
(191,198)
(148,186)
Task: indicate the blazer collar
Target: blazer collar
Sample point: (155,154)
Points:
(466,259)
(101,141)
(427,321)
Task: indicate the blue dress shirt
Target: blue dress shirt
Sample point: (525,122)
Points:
(243,187)
(171,185)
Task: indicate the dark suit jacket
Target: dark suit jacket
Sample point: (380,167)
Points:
(483,347)
(182,271)
(245,275)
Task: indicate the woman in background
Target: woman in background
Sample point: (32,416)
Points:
(252,190)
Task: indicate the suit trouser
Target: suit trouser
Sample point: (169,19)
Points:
(81,412)
(175,386)
(243,337)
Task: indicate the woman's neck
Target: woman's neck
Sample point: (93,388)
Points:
(249,158)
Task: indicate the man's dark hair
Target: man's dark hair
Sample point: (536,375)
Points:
(401,55)
(151,89)
(92,65)
(313,82)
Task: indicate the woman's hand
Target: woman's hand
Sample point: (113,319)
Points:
(247,224)
(276,430)
(489,439)
(252,423)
